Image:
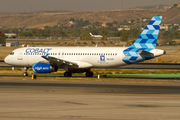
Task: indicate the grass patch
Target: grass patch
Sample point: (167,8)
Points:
(96,71)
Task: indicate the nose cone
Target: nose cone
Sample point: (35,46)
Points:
(7,60)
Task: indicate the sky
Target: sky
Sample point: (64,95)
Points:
(76,5)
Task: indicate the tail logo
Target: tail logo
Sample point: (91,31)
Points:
(145,42)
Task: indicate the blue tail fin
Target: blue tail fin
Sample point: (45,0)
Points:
(145,42)
(148,37)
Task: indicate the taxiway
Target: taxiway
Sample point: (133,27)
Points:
(54,100)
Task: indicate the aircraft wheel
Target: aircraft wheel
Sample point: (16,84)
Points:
(25,74)
(89,74)
(67,74)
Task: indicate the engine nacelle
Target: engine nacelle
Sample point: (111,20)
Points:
(44,68)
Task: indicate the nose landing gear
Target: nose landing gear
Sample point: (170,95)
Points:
(25,73)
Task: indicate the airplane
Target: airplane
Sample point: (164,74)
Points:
(83,59)
(10,35)
(96,36)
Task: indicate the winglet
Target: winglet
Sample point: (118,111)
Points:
(47,56)
(149,36)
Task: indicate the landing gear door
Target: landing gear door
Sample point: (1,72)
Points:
(20,57)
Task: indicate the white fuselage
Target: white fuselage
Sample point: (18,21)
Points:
(96,56)
(85,57)
(10,35)
(96,36)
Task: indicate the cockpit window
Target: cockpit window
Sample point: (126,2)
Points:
(12,53)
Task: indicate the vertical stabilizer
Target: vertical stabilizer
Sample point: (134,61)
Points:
(149,36)
(146,42)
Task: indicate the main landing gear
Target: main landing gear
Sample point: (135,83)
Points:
(67,74)
(25,73)
(89,74)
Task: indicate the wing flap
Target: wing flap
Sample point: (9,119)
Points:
(57,61)
(54,60)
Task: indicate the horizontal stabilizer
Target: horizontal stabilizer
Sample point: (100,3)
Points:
(143,53)
(171,51)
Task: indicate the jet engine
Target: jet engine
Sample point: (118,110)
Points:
(44,68)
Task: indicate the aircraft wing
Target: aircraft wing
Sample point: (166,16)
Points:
(171,51)
(61,62)
(55,61)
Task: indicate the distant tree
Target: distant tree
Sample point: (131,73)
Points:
(47,27)
(2,38)
(132,21)
(109,24)
(82,23)
(104,37)
(175,5)
(114,22)
(94,31)
(124,37)
(125,22)
(72,19)
(97,23)
(26,34)
(177,34)
(55,27)
(15,30)
(85,36)
(58,33)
